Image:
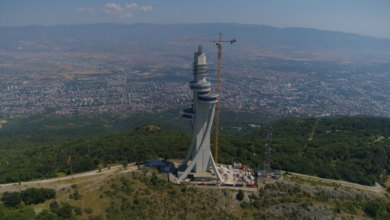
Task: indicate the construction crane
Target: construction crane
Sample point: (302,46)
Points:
(219,45)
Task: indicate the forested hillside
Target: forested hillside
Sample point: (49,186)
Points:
(353,149)
(25,131)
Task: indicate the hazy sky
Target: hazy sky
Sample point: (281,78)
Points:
(366,17)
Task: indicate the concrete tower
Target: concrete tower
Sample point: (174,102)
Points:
(201,115)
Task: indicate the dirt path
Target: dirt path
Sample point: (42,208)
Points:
(66,181)
(314,130)
(60,181)
(377,188)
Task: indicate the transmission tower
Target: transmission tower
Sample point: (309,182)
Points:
(267,157)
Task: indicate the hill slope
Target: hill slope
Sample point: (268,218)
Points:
(346,148)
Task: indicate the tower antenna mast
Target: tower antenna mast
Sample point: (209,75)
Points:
(219,45)
(267,157)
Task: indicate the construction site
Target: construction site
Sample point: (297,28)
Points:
(199,167)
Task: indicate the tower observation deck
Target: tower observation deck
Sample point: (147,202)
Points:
(201,115)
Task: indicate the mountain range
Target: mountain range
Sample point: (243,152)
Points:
(93,36)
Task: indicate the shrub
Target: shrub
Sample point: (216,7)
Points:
(261,192)
(11,199)
(46,215)
(240,195)
(245,205)
(74,186)
(36,196)
(371,209)
(76,195)
(125,164)
(65,211)
(88,210)
(100,217)
(54,207)
(78,211)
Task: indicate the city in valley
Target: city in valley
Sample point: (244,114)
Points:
(85,83)
(268,110)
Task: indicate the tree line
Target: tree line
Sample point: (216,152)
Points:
(355,149)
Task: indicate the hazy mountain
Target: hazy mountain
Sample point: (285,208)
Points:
(106,36)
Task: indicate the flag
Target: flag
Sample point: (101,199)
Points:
(69,160)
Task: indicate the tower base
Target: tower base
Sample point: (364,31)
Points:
(197,177)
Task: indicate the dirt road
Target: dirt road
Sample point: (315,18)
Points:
(60,181)
(377,188)
(66,181)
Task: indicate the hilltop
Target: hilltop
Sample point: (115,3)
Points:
(129,193)
(354,149)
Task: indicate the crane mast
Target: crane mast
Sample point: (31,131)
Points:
(219,97)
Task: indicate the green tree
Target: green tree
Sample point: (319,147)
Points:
(125,164)
(46,215)
(100,217)
(54,207)
(78,211)
(36,196)
(77,195)
(88,210)
(66,211)
(371,209)
(240,195)
(11,199)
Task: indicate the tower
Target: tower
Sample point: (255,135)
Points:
(201,115)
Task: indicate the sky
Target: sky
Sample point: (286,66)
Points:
(365,17)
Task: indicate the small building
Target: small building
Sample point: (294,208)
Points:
(166,169)
(155,163)
(161,165)
(258,174)
(277,174)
